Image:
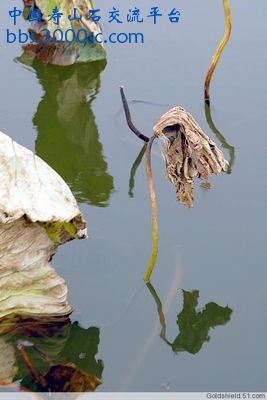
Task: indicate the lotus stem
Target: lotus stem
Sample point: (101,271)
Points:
(154,212)
(91,4)
(220,48)
(129,119)
(150,182)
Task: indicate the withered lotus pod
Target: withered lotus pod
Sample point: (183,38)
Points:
(189,152)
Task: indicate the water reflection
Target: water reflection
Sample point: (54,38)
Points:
(220,137)
(134,168)
(68,138)
(49,356)
(194,325)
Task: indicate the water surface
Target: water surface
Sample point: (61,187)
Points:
(210,268)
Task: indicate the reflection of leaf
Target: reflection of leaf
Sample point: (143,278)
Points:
(32,195)
(57,51)
(195,325)
(69,140)
(71,349)
(67,378)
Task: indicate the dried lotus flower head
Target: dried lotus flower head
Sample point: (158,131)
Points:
(189,152)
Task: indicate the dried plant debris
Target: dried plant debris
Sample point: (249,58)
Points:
(189,152)
(28,283)
(67,378)
(49,355)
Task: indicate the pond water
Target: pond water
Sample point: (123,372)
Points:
(210,275)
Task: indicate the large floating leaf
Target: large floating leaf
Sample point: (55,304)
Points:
(37,213)
(29,187)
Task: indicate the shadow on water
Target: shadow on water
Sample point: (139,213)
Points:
(68,138)
(49,356)
(193,325)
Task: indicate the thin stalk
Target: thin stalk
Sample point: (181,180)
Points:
(134,168)
(129,119)
(220,48)
(154,212)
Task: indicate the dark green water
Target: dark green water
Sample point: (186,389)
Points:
(210,277)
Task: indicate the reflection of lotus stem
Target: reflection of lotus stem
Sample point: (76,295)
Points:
(159,309)
(154,221)
(27,361)
(134,169)
(220,137)
(220,48)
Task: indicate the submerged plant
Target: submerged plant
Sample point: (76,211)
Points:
(220,48)
(188,153)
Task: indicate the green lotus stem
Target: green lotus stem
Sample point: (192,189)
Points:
(91,4)
(154,212)
(220,48)
(134,168)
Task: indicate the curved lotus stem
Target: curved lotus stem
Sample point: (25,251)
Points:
(154,212)
(150,182)
(220,48)
(129,119)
